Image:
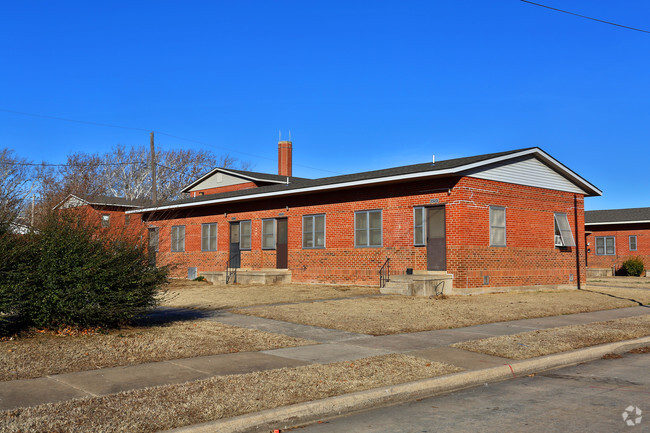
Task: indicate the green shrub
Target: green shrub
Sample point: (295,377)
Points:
(633,267)
(70,273)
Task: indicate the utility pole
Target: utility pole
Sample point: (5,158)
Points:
(154,191)
(33,203)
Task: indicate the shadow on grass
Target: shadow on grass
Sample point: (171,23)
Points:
(641,304)
(167,315)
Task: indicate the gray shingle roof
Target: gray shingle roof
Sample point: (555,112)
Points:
(114,201)
(617,215)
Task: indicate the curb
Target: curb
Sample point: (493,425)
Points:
(288,416)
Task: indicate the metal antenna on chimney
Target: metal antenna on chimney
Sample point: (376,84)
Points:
(289,135)
(280,135)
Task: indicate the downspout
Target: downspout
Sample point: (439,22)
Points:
(575,215)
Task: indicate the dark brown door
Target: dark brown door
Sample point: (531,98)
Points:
(282,248)
(436,239)
(235,256)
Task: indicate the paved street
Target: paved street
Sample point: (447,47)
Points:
(586,398)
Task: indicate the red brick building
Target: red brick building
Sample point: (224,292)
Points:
(106,212)
(499,220)
(615,235)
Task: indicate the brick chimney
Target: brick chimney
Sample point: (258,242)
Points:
(284,158)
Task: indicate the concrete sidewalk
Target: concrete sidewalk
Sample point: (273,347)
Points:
(336,346)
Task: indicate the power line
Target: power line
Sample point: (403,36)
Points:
(108,125)
(45,164)
(585,16)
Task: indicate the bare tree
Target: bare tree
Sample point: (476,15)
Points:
(16,184)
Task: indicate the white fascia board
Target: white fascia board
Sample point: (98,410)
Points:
(398,177)
(223,170)
(617,222)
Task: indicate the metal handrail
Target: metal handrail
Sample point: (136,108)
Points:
(231,273)
(384,273)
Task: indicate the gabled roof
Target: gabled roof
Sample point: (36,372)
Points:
(617,216)
(248,175)
(101,200)
(416,171)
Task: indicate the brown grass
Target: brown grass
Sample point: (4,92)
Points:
(191,294)
(39,354)
(166,407)
(554,340)
(632,282)
(399,314)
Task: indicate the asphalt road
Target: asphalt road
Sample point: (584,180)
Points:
(585,398)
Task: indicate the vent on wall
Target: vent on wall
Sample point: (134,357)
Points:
(570,277)
(191,273)
(486,280)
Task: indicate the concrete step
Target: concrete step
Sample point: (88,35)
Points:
(396,288)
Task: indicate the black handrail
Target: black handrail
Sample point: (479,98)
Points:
(231,272)
(384,273)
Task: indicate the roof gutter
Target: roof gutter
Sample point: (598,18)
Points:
(617,223)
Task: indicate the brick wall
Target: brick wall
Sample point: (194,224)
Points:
(530,257)
(622,247)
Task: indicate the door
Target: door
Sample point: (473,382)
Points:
(436,239)
(282,247)
(235,256)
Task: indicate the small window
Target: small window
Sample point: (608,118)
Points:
(563,235)
(418,226)
(201,192)
(313,231)
(245,235)
(209,237)
(178,239)
(633,243)
(268,234)
(106,220)
(153,239)
(127,220)
(367,228)
(497,226)
(605,246)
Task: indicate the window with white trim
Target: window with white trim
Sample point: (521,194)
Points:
(209,237)
(418,226)
(497,226)
(563,236)
(268,234)
(633,243)
(106,220)
(367,228)
(245,235)
(178,239)
(313,231)
(605,245)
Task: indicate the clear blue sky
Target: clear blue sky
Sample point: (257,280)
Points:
(361,85)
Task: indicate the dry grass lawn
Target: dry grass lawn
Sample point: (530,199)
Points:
(166,407)
(547,341)
(202,295)
(632,282)
(399,314)
(39,354)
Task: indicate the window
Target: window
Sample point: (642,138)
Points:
(367,228)
(418,226)
(245,235)
(313,231)
(106,220)
(127,220)
(153,239)
(563,235)
(497,226)
(605,246)
(633,243)
(209,237)
(178,238)
(268,234)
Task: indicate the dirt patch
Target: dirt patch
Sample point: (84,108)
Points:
(39,354)
(640,350)
(201,295)
(631,282)
(554,340)
(399,314)
(166,407)
(612,356)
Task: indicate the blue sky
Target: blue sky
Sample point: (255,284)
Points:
(362,85)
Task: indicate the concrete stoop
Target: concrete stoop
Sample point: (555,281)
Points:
(252,276)
(429,284)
